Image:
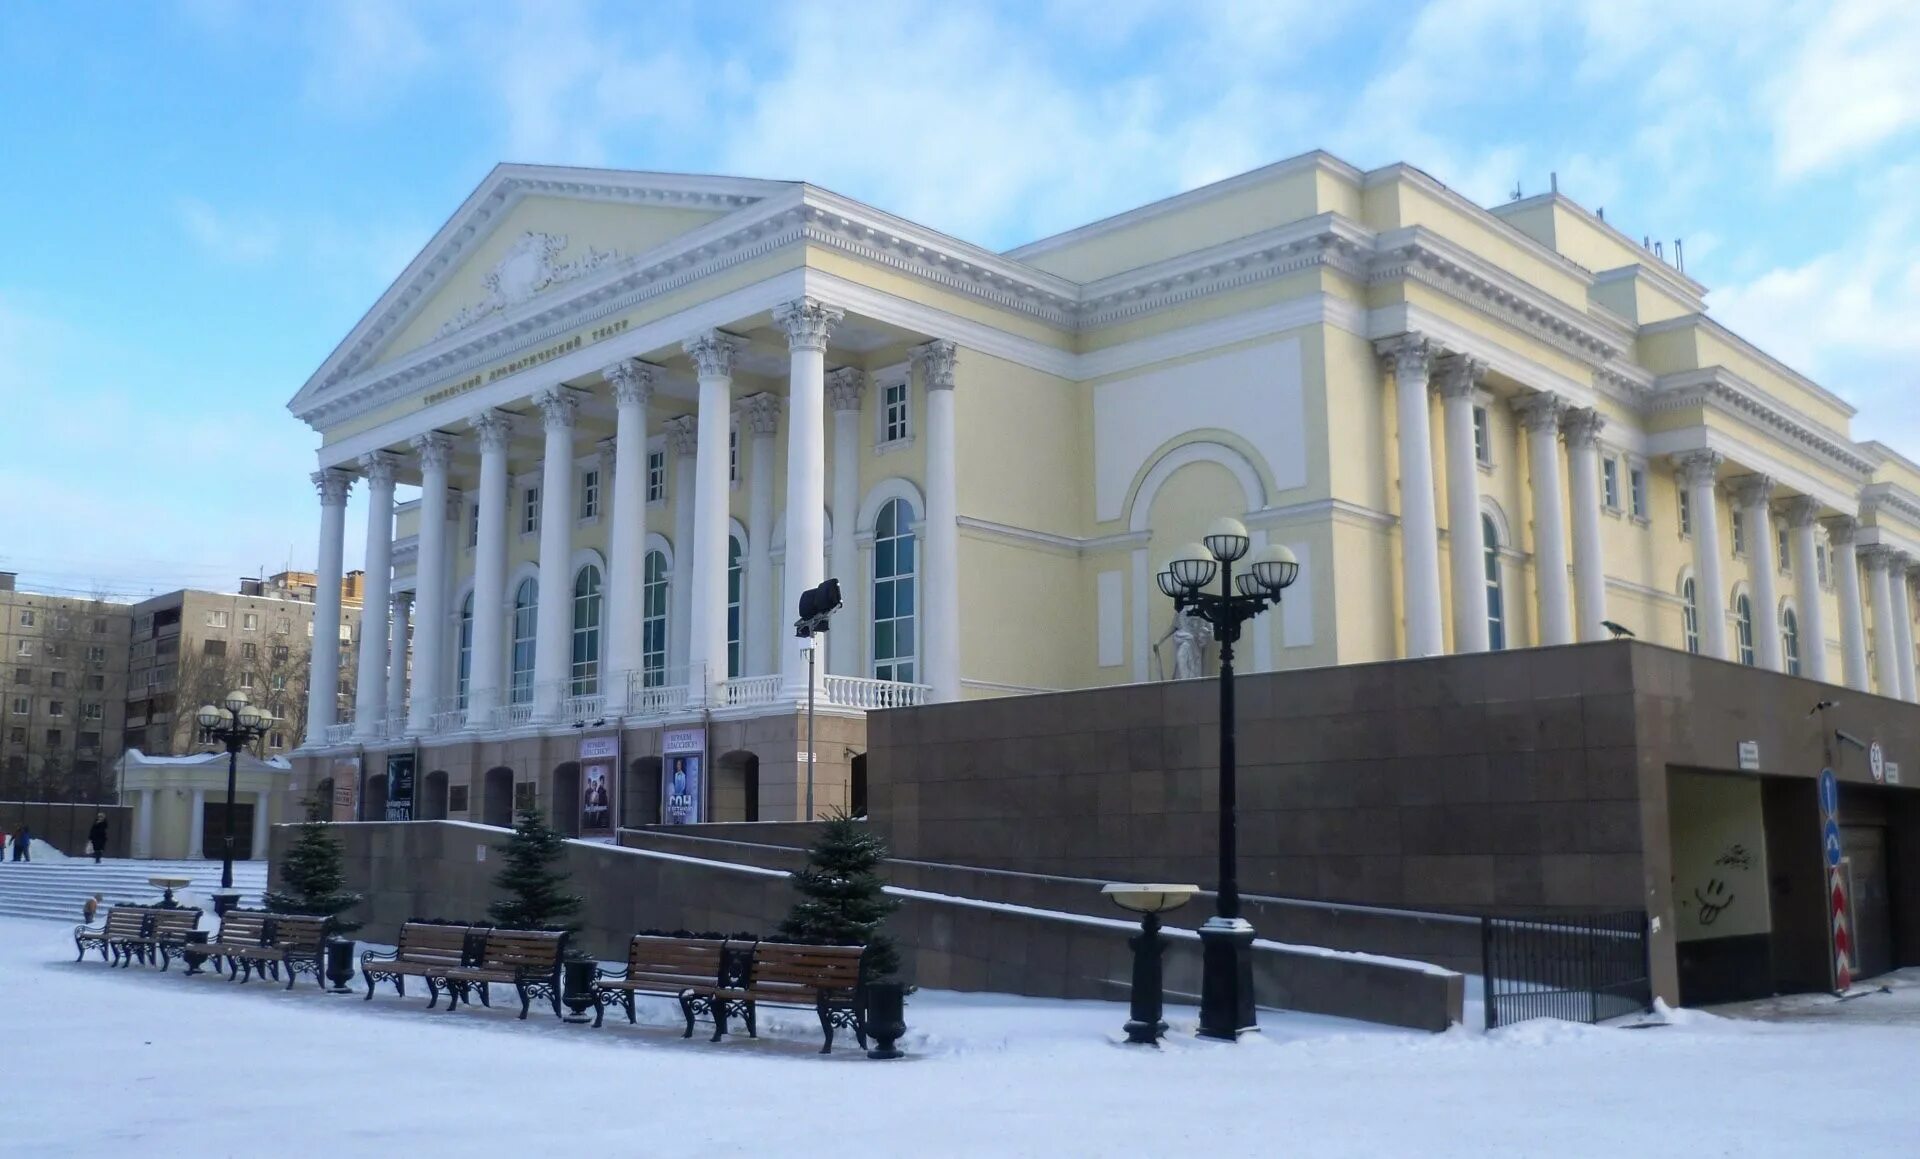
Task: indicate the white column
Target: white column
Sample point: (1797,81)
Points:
(845,389)
(553,631)
(940,638)
(370,692)
(397,665)
(1412,357)
(632,382)
(1697,471)
(1582,427)
(1897,569)
(260,803)
(196,825)
(323,674)
(808,324)
(1846,578)
(486,678)
(760,620)
(683,438)
(1540,415)
(1466,548)
(1754,496)
(714,353)
(143,825)
(1886,648)
(1800,512)
(446,659)
(430,581)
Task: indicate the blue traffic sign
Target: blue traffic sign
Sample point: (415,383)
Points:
(1830,839)
(1829,793)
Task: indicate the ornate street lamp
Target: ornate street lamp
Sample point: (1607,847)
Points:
(1226,980)
(236,726)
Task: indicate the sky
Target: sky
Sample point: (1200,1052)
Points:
(201,198)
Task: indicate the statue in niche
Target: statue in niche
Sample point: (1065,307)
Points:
(1191,634)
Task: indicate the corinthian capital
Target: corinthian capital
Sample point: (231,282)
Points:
(378,467)
(807,321)
(632,381)
(1411,355)
(936,360)
(333,485)
(1876,556)
(493,428)
(1582,426)
(1751,490)
(846,387)
(1457,375)
(683,434)
(1840,529)
(1800,511)
(432,449)
(558,408)
(1540,411)
(760,414)
(1698,468)
(714,353)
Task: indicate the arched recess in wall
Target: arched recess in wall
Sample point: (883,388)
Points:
(563,805)
(1151,613)
(640,795)
(1503,580)
(433,796)
(496,797)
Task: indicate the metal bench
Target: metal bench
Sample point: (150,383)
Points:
(256,941)
(824,979)
(527,960)
(425,950)
(657,965)
(133,931)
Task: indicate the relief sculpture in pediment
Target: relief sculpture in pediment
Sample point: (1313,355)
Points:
(531,265)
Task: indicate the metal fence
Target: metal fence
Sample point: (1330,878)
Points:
(1585,968)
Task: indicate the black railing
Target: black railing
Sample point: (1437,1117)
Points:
(1584,968)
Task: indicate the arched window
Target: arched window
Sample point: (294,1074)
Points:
(463,664)
(1790,641)
(733,606)
(1690,614)
(526,616)
(1496,595)
(653,621)
(586,631)
(1743,626)
(894,594)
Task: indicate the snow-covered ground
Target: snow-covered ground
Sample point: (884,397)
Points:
(109,1061)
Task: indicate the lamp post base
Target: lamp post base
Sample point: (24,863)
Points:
(1226,979)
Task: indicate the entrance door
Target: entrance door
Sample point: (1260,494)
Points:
(1866,847)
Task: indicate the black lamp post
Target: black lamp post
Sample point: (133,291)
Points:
(1226,939)
(236,726)
(817,606)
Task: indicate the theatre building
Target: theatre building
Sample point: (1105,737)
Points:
(611,424)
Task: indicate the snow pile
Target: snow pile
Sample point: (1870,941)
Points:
(987,1075)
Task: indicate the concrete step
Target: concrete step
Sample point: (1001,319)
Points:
(59,889)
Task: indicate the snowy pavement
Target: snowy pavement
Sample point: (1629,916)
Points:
(201,1066)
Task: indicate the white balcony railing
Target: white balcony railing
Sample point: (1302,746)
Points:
(451,718)
(861,692)
(745,691)
(667,695)
(590,706)
(512,715)
(338,733)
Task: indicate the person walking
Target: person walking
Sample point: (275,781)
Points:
(23,844)
(97,837)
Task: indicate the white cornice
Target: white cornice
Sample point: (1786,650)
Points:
(1325,239)
(1727,392)
(1401,318)
(1438,190)
(1314,510)
(1670,278)
(1061,544)
(1688,321)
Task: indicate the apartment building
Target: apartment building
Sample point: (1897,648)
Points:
(65,694)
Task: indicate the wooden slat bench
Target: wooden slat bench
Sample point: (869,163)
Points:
(527,960)
(256,941)
(425,950)
(824,979)
(657,965)
(134,931)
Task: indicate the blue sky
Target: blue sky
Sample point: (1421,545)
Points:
(203,197)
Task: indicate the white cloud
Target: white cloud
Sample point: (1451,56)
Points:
(237,239)
(1854,84)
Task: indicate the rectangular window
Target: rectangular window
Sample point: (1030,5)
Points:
(99,625)
(216,619)
(1686,512)
(56,650)
(62,622)
(59,680)
(656,476)
(733,455)
(1482,443)
(1739,526)
(96,654)
(91,740)
(277,740)
(22,706)
(249,651)
(279,653)
(457,799)
(284,624)
(90,710)
(246,680)
(1820,561)
(23,676)
(17,735)
(589,494)
(473,525)
(143,626)
(530,510)
(26,617)
(249,622)
(24,650)
(96,682)
(213,647)
(1610,483)
(56,708)
(1782,561)
(893,418)
(55,737)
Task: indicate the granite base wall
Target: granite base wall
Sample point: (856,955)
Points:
(64,826)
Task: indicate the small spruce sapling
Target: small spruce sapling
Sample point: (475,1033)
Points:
(536,899)
(311,880)
(842,896)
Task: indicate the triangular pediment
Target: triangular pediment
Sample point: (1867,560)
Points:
(526,232)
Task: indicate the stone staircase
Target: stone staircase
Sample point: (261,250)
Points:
(58,889)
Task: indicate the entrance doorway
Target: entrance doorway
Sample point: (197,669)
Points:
(496,797)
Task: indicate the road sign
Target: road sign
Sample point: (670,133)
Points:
(1831,841)
(1842,935)
(1893,773)
(1829,793)
(1876,762)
